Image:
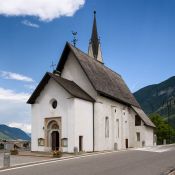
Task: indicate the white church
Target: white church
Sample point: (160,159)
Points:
(84,105)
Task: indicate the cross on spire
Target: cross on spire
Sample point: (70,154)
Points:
(53,66)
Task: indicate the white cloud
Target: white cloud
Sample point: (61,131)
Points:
(15,76)
(45,10)
(25,127)
(30,86)
(13,109)
(30,24)
(8,94)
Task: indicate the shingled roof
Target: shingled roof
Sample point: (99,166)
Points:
(105,81)
(70,86)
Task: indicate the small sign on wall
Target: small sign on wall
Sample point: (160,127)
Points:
(41,142)
(64,142)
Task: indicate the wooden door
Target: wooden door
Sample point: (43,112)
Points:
(55,140)
(126,143)
(80,143)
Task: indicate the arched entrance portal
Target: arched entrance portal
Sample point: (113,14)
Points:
(53,134)
(55,140)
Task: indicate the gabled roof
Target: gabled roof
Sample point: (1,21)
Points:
(105,81)
(70,86)
(143,116)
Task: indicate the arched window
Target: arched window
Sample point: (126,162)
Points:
(106,127)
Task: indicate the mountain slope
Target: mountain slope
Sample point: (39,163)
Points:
(154,98)
(10,133)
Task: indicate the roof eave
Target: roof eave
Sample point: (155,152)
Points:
(150,125)
(115,99)
(38,89)
(64,55)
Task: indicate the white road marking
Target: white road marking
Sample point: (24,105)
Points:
(157,149)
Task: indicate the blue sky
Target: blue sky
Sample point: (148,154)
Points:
(137,39)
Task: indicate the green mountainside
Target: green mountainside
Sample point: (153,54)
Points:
(10,133)
(154,99)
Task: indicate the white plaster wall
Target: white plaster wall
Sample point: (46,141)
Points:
(71,127)
(146,135)
(131,120)
(42,109)
(141,130)
(35,127)
(127,129)
(117,132)
(149,136)
(106,108)
(84,123)
(73,71)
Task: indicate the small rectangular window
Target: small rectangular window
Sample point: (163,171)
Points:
(138,136)
(41,142)
(64,142)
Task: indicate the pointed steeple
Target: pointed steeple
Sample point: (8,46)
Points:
(94,44)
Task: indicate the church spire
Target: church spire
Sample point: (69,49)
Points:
(94,44)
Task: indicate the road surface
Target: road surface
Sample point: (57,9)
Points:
(131,162)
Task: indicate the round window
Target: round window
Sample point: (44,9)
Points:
(54,104)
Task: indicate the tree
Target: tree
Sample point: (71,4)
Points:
(163,130)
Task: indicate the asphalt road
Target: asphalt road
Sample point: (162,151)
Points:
(132,162)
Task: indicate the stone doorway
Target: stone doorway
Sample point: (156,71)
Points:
(55,136)
(53,133)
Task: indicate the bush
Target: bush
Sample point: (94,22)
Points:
(57,153)
(163,130)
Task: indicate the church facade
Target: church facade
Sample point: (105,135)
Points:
(83,105)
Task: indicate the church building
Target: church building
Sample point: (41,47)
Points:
(84,105)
